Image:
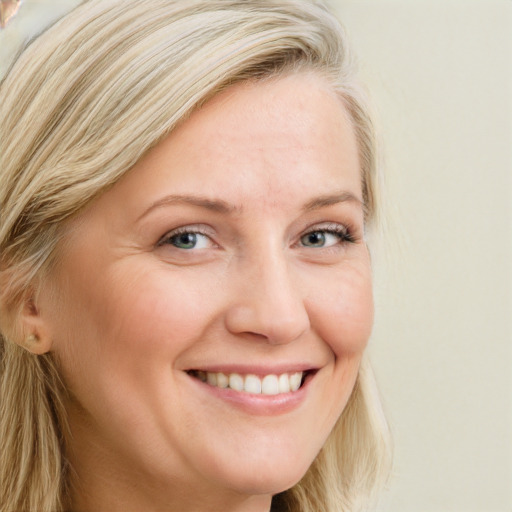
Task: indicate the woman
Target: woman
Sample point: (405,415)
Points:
(186,286)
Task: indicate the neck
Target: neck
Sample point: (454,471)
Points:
(107,498)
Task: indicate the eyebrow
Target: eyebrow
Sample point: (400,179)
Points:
(220,206)
(214,205)
(330,199)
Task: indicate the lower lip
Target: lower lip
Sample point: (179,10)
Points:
(263,405)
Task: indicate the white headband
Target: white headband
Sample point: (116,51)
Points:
(24,20)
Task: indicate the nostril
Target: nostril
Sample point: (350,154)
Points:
(256,335)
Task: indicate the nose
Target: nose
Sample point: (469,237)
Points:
(268,303)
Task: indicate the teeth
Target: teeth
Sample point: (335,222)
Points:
(284,383)
(222,380)
(268,385)
(252,384)
(211,378)
(295,380)
(236,382)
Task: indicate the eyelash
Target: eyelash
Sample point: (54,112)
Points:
(344,233)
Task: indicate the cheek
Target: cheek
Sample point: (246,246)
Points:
(341,314)
(129,316)
(163,313)
(343,311)
(122,335)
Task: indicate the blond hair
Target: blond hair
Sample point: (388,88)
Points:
(80,106)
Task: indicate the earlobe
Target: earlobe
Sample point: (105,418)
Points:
(34,344)
(35,335)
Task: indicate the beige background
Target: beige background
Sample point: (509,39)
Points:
(440,74)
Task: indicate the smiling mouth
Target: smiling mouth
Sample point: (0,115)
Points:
(253,384)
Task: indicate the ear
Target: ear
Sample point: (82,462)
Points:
(34,334)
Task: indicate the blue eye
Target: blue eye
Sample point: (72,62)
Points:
(324,238)
(314,239)
(184,240)
(187,240)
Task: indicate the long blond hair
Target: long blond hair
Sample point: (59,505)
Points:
(80,106)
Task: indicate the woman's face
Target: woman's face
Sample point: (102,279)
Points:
(231,255)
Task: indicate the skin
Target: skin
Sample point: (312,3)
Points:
(128,312)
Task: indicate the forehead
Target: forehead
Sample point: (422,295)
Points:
(272,130)
(263,148)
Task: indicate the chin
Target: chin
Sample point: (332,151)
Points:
(271,477)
